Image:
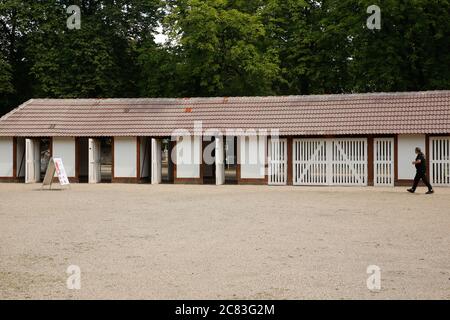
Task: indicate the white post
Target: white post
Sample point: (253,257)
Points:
(95,174)
(220,165)
(29,161)
(37,160)
(156,161)
(33,161)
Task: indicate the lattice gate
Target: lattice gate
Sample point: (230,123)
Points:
(383,161)
(277,161)
(330,161)
(349,161)
(440,161)
(310,162)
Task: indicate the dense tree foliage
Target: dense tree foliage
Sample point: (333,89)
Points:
(5,76)
(220,48)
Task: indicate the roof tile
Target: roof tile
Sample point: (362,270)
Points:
(372,113)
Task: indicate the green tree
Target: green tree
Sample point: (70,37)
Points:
(221,48)
(99,60)
(290,31)
(163,72)
(14,80)
(409,53)
(46,59)
(326,47)
(5,77)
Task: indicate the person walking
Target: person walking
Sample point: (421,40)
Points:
(421,168)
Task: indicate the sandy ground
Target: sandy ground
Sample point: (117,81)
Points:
(230,242)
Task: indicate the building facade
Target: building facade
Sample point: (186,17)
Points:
(323,140)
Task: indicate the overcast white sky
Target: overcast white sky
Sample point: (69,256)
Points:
(160,37)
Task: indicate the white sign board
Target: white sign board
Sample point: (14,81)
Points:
(55,165)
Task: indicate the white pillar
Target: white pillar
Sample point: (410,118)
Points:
(220,165)
(156,161)
(95,174)
(33,161)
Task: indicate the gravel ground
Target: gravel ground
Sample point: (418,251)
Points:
(230,242)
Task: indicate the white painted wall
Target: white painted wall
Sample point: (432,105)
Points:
(125,154)
(189,155)
(406,155)
(64,148)
(6,157)
(252,156)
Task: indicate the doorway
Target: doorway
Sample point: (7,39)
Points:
(38,152)
(167,167)
(231,160)
(100,160)
(83,159)
(106,159)
(45,155)
(209,160)
(145,159)
(20,158)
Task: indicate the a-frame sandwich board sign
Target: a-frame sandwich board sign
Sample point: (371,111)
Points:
(55,165)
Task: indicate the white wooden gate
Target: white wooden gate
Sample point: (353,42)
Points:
(95,175)
(349,161)
(278,161)
(32,160)
(310,162)
(440,161)
(383,161)
(330,161)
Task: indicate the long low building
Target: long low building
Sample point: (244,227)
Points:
(356,139)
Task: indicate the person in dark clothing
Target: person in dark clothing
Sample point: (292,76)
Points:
(421,167)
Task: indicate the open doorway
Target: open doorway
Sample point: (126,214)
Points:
(106,159)
(38,152)
(167,167)
(46,154)
(145,154)
(209,160)
(95,160)
(20,158)
(231,160)
(83,159)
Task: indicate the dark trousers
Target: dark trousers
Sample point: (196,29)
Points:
(423,176)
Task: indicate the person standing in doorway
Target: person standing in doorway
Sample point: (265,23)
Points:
(421,173)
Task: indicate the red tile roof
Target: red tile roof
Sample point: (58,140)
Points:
(353,114)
